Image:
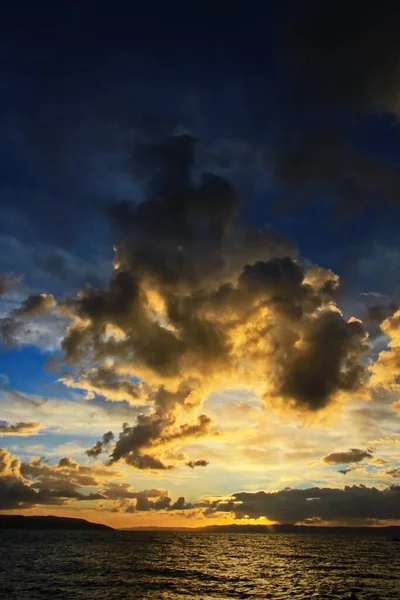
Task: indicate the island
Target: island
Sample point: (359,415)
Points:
(50,522)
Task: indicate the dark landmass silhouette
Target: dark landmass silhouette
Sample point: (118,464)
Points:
(50,522)
(66,523)
(284,528)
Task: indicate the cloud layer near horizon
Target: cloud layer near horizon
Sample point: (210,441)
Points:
(36,483)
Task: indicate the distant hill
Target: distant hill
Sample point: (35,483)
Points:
(284,528)
(56,523)
(288,528)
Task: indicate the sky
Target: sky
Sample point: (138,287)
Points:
(199,256)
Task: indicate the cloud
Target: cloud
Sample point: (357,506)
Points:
(32,322)
(7,280)
(352,503)
(340,62)
(194,246)
(101,445)
(19,397)
(196,301)
(125,499)
(21,428)
(104,382)
(142,502)
(379,461)
(354,455)
(372,294)
(352,468)
(36,482)
(376,314)
(27,484)
(152,434)
(115,491)
(9,464)
(326,362)
(385,371)
(35,305)
(64,475)
(395,472)
(345,471)
(73,415)
(197,463)
(348,55)
(196,338)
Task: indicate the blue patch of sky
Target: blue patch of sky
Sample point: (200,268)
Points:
(25,370)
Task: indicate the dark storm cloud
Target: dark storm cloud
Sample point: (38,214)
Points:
(197,463)
(101,445)
(186,232)
(325,504)
(348,53)
(21,428)
(176,235)
(328,362)
(354,455)
(343,62)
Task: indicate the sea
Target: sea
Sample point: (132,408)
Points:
(118,565)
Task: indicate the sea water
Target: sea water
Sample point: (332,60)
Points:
(145,565)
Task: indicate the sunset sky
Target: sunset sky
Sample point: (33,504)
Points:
(199,262)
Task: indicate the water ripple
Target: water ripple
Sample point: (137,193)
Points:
(171,566)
